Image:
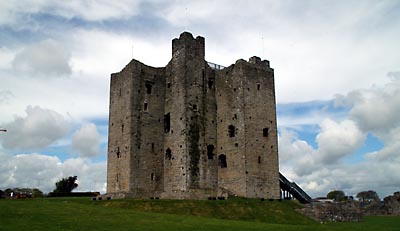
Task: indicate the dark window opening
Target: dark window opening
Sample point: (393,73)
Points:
(122,128)
(222,161)
(231,131)
(152,146)
(203,73)
(259,159)
(234,89)
(148,88)
(194,107)
(235,116)
(168,154)
(120,92)
(168,85)
(210,152)
(167,123)
(118,153)
(117,177)
(210,83)
(145,106)
(265,132)
(258,86)
(236,145)
(153,177)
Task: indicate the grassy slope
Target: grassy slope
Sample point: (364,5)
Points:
(233,209)
(83,214)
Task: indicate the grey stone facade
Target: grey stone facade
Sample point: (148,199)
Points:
(190,131)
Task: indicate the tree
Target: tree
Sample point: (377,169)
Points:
(66,185)
(368,196)
(336,195)
(37,193)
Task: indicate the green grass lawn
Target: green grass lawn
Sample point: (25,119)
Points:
(84,214)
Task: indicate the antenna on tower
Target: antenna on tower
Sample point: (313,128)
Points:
(132,51)
(186,18)
(262,42)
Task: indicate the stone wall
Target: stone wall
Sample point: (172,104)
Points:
(348,211)
(189,131)
(247,131)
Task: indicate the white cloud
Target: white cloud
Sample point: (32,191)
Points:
(47,59)
(41,171)
(13,12)
(337,140)
(40,128)
(376,111)
(317,179)
(100,53)
(5,97)
(317,50)
(85,141)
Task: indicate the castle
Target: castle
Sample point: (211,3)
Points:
(193,130)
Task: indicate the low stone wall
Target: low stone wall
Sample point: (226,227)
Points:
(389,206)
(348,211)
(352,210)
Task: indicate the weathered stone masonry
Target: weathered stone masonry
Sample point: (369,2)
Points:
(189,131)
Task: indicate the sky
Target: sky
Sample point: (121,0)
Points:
(337,77)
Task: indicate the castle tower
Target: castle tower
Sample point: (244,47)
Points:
(189,131)
(247,132)
(135,141)
(187,128)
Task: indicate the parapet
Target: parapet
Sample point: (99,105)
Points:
(186,41)
(257,60)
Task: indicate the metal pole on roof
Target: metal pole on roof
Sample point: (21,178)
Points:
(3,130)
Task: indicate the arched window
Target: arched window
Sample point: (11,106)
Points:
(222,161)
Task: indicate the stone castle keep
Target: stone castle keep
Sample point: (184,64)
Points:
(192,130)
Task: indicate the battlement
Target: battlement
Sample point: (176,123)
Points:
(257,60)
(193,129)
(186,41)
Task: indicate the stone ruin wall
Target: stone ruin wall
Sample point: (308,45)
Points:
(170,129)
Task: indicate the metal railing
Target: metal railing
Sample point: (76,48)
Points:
(215,66)
(294,189)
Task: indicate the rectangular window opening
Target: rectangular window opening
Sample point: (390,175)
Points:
(265,132)
(231,131)
(167,122)
(148,88)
